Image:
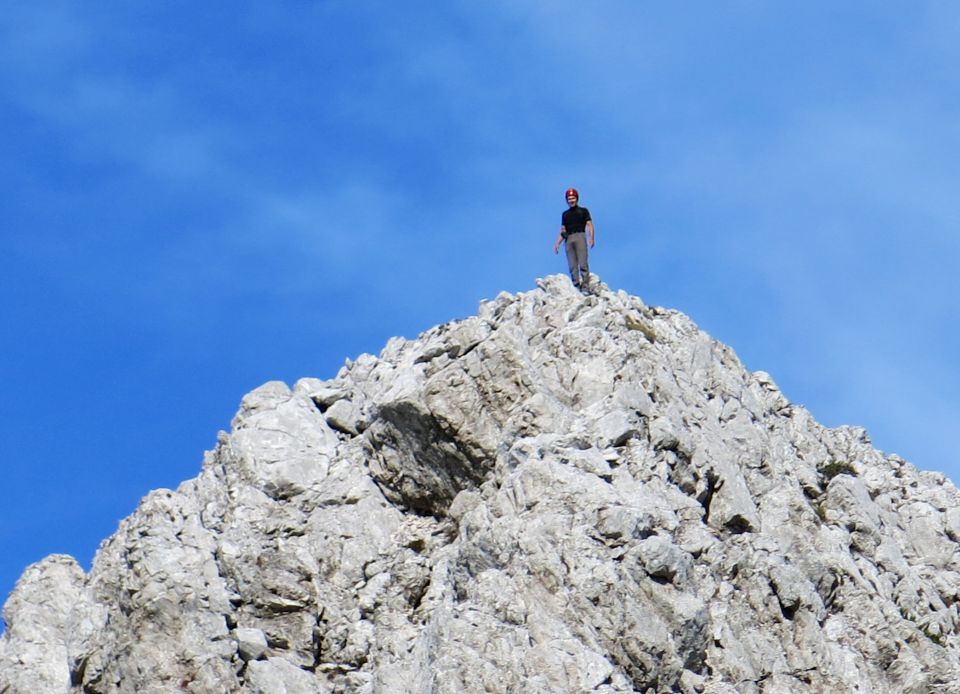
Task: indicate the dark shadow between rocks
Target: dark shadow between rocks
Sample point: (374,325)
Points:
(416,462)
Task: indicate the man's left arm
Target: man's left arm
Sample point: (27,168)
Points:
(590,234)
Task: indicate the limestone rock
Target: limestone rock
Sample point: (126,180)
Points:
(559,494)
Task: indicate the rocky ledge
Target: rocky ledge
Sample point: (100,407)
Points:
(560,494)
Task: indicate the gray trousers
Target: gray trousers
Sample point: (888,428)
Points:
(577,258)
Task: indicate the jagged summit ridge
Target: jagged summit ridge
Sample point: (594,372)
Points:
(559,494)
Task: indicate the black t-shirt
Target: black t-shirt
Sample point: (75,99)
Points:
(575,220)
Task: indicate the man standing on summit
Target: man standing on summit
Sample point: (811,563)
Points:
(576,231)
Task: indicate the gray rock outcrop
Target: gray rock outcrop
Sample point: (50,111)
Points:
(560,494)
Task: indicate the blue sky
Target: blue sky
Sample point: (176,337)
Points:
(202,197)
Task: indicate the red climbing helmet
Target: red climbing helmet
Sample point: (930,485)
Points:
(573,192)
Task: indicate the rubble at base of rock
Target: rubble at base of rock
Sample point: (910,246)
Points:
(560,494)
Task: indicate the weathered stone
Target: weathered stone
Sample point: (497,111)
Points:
(48,616)
(561,494)
(277,675)
(661,559)
(251,643)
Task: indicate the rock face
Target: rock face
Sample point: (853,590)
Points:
(561,494)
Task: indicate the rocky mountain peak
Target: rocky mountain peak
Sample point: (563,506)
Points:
(559,494)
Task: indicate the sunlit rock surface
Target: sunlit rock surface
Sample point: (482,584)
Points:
(560,494)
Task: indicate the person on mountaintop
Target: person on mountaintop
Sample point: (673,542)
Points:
(576,231)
